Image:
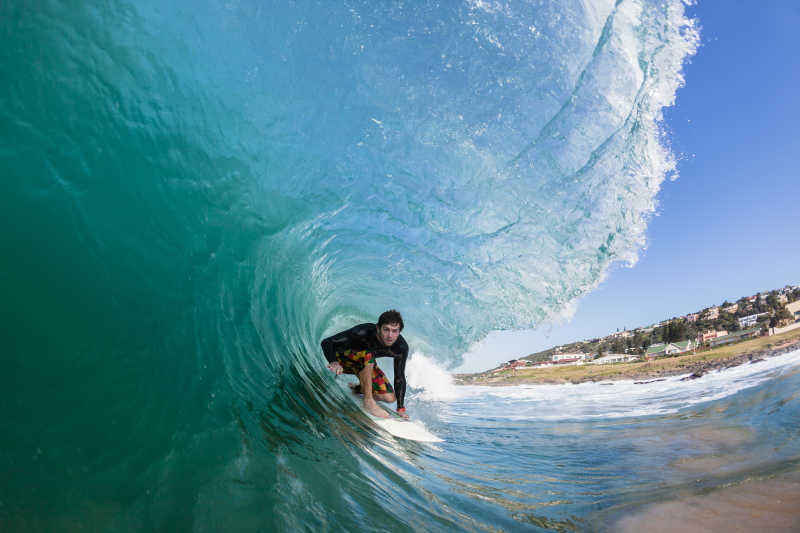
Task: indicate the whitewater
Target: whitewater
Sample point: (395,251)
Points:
(193,195)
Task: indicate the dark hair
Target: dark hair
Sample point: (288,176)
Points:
(391,316)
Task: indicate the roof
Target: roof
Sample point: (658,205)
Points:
(655,348)
(743,332)
(611,356)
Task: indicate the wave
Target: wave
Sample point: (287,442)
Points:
(195,195)
(610,399)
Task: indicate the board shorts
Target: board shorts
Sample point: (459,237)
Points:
(354,362)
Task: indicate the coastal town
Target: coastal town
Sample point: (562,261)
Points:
(764,314)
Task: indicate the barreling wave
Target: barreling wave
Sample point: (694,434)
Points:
(194,195)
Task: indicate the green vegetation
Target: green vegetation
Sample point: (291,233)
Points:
(688,327)
(728,355)
(769,308)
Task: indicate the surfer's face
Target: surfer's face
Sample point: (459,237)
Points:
(388,333)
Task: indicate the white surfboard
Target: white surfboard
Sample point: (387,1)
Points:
(404,429)
(398,426)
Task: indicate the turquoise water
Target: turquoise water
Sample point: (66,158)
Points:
(194,194)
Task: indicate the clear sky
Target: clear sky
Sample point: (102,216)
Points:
(729,226)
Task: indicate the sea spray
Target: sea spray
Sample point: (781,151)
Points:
(607,400)
(429,381)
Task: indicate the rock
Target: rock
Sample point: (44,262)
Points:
(694,375)
(651,381)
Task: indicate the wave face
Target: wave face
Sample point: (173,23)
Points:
(194,194)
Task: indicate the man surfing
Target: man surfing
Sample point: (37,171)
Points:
(355,350)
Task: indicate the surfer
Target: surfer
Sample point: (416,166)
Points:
(355,350)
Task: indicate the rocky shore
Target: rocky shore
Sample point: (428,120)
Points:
(701,369)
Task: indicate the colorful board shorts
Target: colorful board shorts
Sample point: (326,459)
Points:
(354,362)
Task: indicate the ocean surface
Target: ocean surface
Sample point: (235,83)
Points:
(193,194)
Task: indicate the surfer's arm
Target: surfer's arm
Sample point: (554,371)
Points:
(347,339)
(400,379)
(328,349)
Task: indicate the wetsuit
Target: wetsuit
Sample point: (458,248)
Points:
(364,338)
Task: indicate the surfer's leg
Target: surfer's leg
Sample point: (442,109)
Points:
(379,396)
(387,397)
(365,377)
(381,388)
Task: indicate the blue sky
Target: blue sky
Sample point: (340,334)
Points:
(730,224)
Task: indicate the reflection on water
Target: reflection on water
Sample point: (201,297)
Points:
(767,504)
(725,439)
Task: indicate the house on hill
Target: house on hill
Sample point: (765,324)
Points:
(685,346)
(794,309)
(669,348)
(577,358)
(731,308)
(614,358)
(704,338)
(733,337)
(750,320)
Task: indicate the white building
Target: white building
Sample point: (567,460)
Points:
(750,320)
(614,358)
(794,309)
(569,357)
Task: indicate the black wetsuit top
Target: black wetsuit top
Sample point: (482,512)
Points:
(365,337)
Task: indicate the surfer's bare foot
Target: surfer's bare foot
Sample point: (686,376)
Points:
(375,410)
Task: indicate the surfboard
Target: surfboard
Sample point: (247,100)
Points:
(401,428)
(396,425)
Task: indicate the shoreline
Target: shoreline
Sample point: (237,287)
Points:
(693,366)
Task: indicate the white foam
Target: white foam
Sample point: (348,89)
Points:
(430,381)
(613,399)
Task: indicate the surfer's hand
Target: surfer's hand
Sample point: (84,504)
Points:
(402,412)
(335,367)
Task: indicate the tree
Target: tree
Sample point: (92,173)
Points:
(618,346)
(731,324)
(780,315)
(772,301)
(677,331)
(758,305)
